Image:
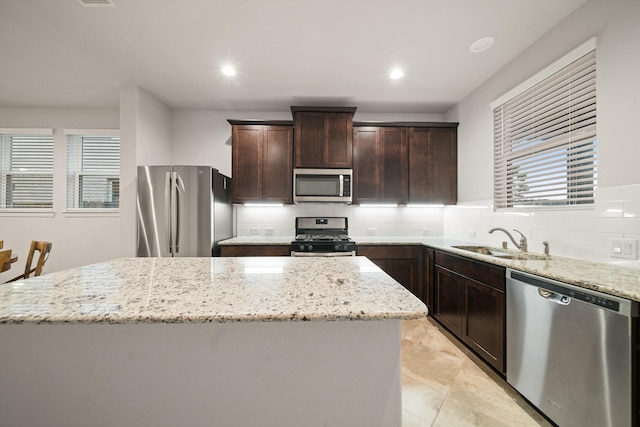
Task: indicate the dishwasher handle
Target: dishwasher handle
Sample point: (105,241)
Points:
(553,289)
(554,296)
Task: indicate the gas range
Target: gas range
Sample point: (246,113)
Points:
(322,236)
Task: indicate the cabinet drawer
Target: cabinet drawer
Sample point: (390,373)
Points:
(389,251)
(489,274)
(254,250)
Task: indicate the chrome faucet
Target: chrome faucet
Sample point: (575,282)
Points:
(523,240)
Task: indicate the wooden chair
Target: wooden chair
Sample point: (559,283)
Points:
(44,248)
(5,258)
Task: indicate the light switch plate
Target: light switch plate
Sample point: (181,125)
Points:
(623,248)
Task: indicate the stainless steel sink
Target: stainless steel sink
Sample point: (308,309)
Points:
(500,253)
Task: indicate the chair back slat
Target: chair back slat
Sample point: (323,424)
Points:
(44,248)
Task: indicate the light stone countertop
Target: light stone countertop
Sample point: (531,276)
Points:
(607,278)
(183,290)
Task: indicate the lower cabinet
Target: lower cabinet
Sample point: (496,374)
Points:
(402,262)
(469,300)
(254,250)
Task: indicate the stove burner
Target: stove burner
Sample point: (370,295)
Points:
(322,237)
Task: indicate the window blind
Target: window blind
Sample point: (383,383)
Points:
(545,141)
(93,172)
(26,170)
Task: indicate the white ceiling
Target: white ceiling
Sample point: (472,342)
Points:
(58,53)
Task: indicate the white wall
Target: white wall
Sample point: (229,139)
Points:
(578,232)
(77,239)
(145,140)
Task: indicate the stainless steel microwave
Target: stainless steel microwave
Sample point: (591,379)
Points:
(322,185)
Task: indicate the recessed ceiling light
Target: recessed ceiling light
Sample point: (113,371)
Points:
(396,74)
(482,44)
(228,70)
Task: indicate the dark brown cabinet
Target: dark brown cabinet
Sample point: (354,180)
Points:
(402,262)
(433,159)
(429,266)
(262,163)
(380,165)
(469,300)
(254,250)
(323,139)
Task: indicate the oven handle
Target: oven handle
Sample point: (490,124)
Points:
(322,254)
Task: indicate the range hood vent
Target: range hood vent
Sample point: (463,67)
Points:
(97,3)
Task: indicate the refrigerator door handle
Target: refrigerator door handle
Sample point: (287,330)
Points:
(179,185)
(167,210)
(174,214)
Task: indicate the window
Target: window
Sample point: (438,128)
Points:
(545,143)
(26,168)
(93,169)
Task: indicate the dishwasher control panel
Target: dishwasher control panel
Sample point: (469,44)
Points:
(572,292)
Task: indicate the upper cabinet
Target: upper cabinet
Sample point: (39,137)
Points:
(262,161)
(380,165)
(433,165)
(405,162)
(323,137)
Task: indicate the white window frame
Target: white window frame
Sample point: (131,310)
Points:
(75,172)
(559,155)
(5,170)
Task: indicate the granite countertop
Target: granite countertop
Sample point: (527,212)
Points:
(183,290)
(607,278)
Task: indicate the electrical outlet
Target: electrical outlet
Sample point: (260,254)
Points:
(426,232)
(623,248)
(255,231)
(268,231)
(371,231)
(471,235)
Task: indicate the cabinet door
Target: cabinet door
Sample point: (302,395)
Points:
(433,165)
(392,158)
(338,144)
(443,162)
(309,140)
(366,169)
(380,165)
(247,163)
(485,322)
(429,285)
(262,163)
(449,300)
(278,164)
(404,271)
(403,263)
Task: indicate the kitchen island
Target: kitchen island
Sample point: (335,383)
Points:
(205,341)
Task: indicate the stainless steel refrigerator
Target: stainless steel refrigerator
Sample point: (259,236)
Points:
(183,211)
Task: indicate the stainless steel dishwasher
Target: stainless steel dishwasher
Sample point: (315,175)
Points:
(570,351)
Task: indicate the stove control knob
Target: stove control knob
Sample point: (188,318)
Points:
(310,248)
(301,247)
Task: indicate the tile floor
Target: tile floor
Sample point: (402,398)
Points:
(444,384)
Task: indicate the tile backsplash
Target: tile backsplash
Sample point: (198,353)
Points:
(583,233)
(363,221)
